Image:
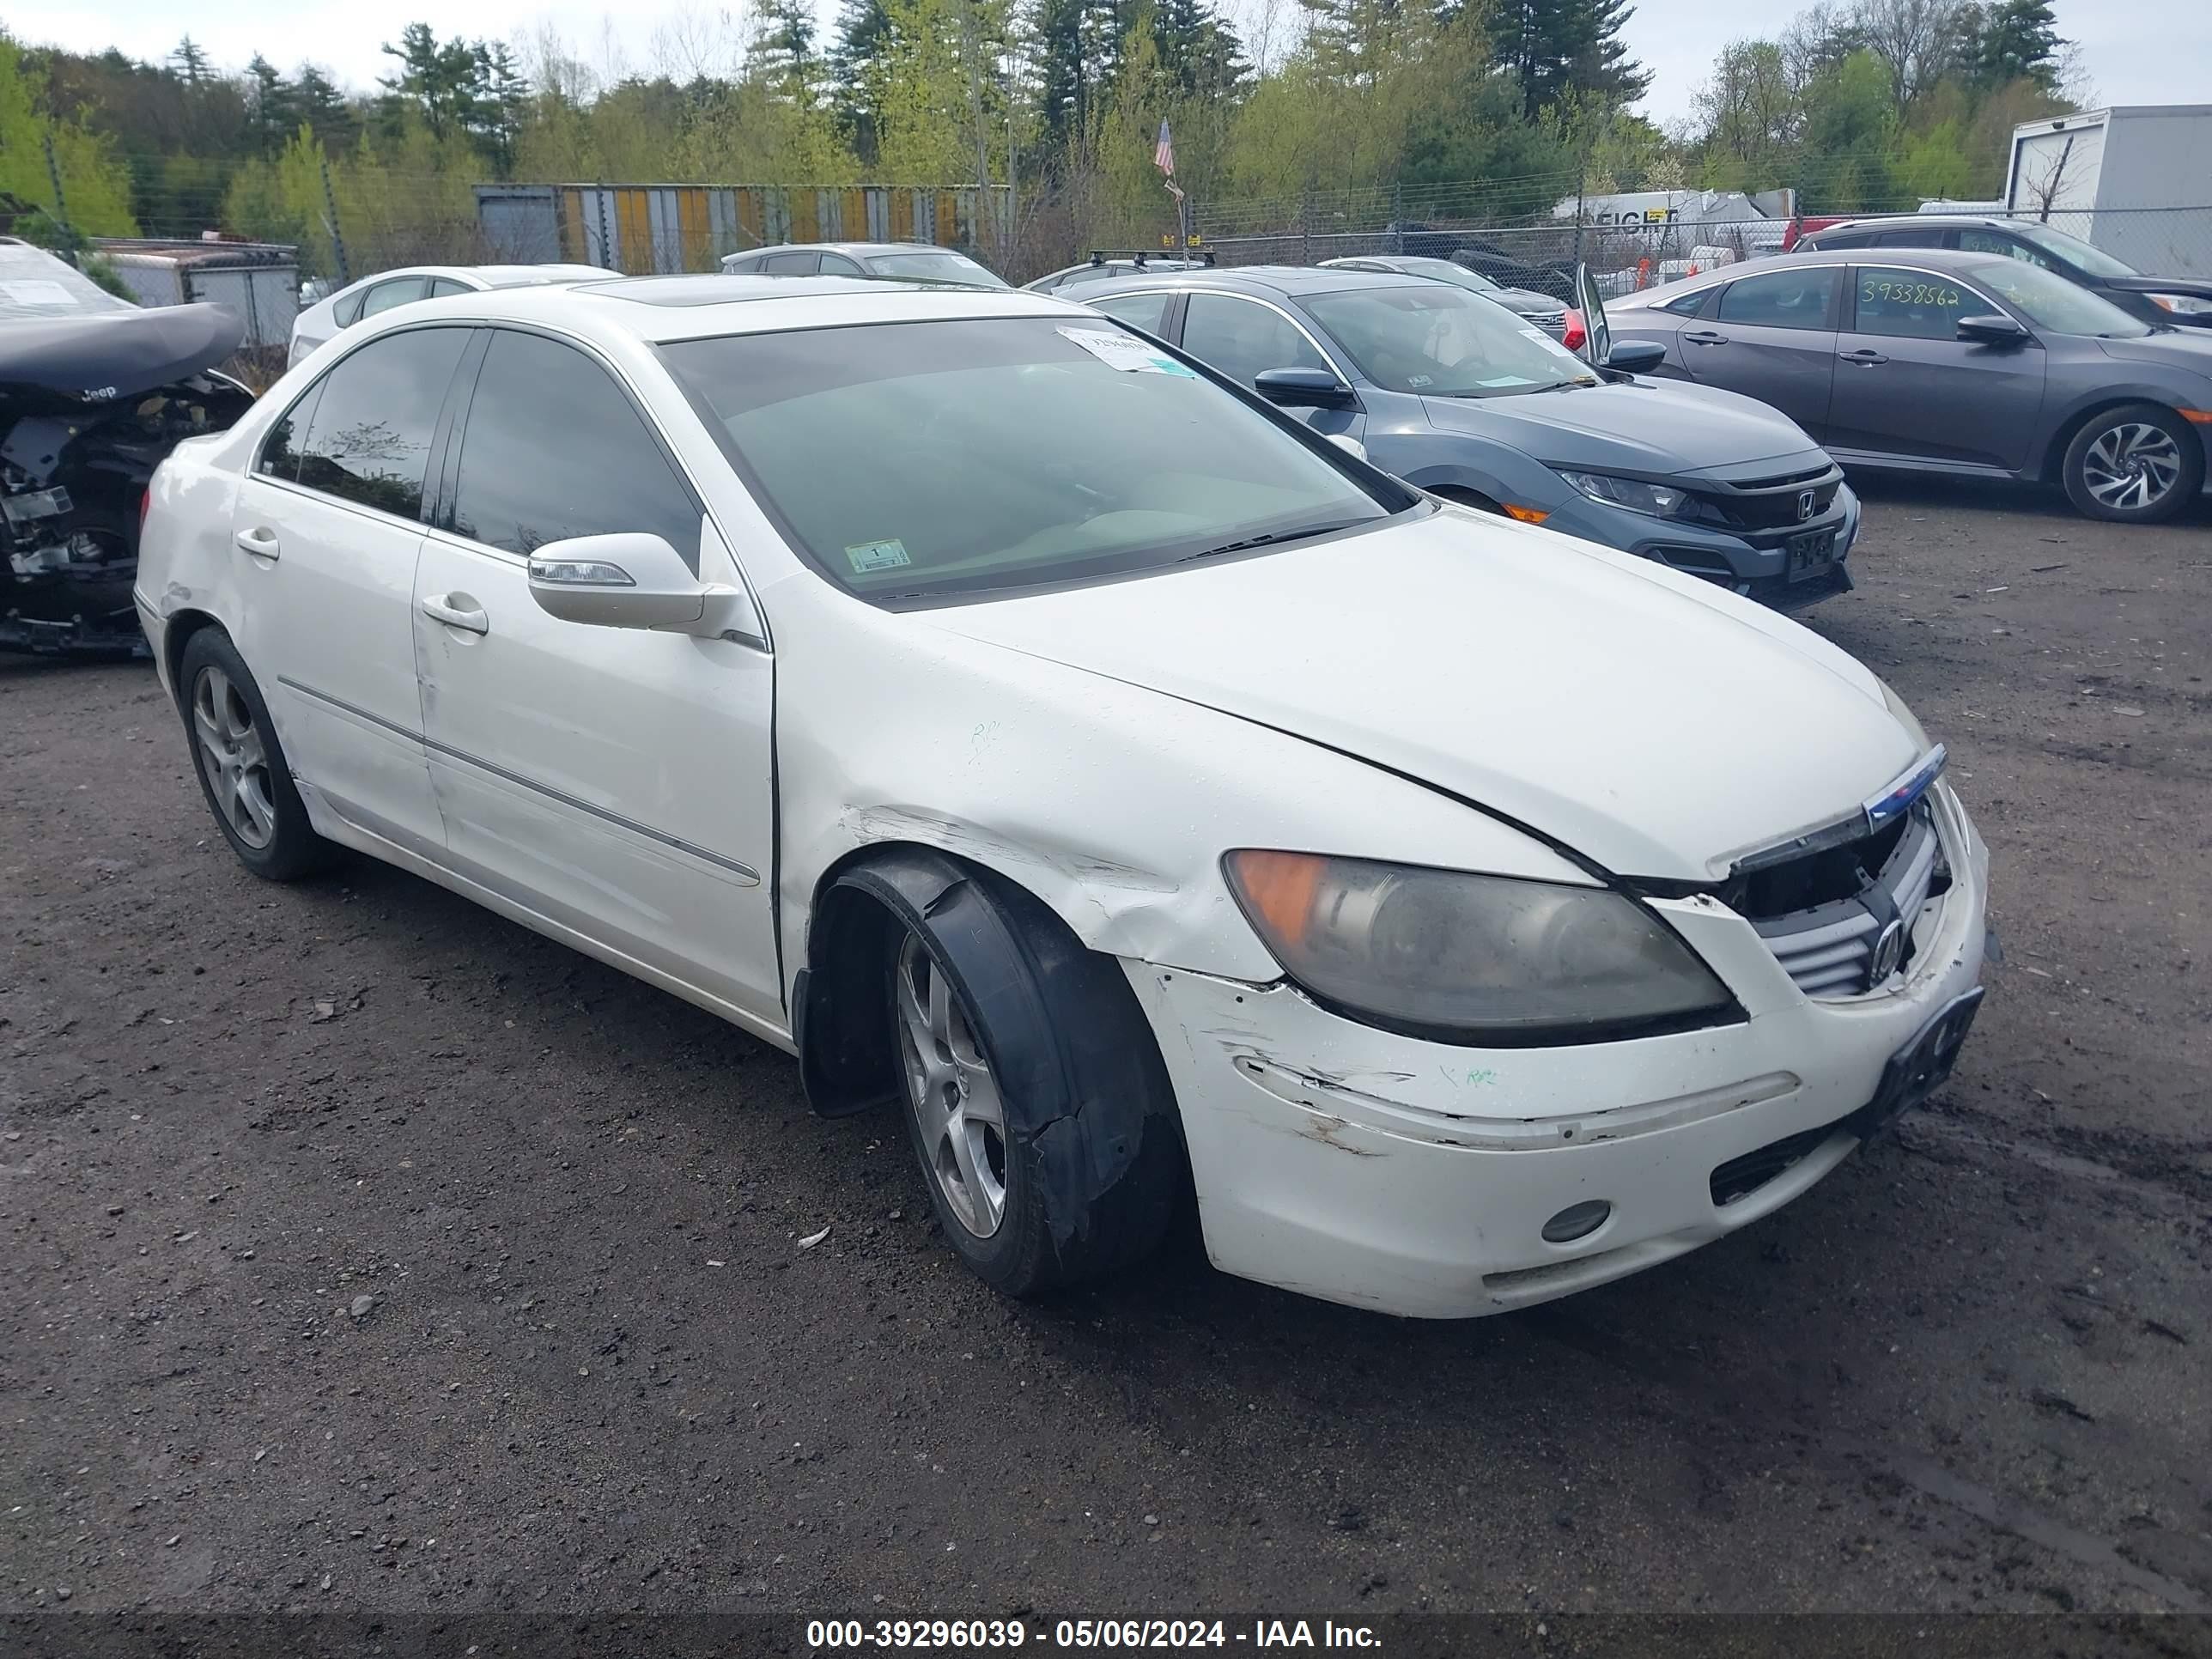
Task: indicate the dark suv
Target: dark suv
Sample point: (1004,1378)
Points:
(2164,301)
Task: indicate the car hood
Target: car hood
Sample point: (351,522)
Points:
(2175,348)
(1654,725)
(1639,426)
(2197,285)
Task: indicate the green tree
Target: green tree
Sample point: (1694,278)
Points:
(2012,40)
(191,62)
(1850,130)
(95,180)
(1553,46)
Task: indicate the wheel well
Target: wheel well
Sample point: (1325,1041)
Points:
(1465,497)
(2054,457)
(841,1020)
(179,634)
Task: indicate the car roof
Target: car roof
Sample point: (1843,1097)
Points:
(848,247)
(661,308)
(1932,220)
(1287,281)
(496,276)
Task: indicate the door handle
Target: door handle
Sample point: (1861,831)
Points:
(1864,358)
(1703,337)
(260,541)
(472,620)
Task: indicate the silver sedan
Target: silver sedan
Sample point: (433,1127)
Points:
(1930,360)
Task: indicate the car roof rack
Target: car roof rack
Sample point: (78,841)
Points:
(1203,256)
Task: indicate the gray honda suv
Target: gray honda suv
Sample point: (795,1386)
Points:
(1459,396)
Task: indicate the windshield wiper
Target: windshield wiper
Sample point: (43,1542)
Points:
(1272,538)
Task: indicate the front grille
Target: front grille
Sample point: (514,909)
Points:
(1828,945)
(1547,319)
(1776,509)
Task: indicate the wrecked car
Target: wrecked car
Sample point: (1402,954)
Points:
(1041,735)
(94,393)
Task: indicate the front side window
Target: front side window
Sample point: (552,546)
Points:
(1913,305)
(1147,310)
(1439,341)
(1005,452)
(1243,338)
(345,311)
(368,440)
(400,292)
(1912,236)
(553,449)
(444,285)
(2075,251)
(791,264)
(1796,298)
(836,264)
(2050,300)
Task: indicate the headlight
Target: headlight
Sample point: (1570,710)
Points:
(1904,716)
(1660,501)
(2181,305)
(1469,959)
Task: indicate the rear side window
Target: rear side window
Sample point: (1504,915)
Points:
(1147,310)
(1912,236)
(554,449)
(447,285)
(385,296)
(1796,298)
(368,439)
(791,264)
(1243,338)
(1996,241)
(346,312)
(1843,239)
(836,264)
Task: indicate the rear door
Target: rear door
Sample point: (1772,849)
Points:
(616,781)
(326,533)
(1772,337)
(1907,386)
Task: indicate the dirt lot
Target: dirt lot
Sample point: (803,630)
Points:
(593,1368)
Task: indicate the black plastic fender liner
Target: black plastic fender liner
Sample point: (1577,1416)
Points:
(1078,1068)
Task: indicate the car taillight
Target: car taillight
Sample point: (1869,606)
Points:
(1577,335)
(145,506)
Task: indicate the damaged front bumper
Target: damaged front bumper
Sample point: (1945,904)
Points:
(1442,1181)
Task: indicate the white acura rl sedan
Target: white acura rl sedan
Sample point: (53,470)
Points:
(1023,724)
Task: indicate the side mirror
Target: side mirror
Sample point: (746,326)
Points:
(632,580)
(1635,356)
(1303,388)
(1992,331)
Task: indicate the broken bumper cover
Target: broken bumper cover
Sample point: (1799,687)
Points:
(1418,1178)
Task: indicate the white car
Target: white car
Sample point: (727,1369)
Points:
(1019,724)
(371,295)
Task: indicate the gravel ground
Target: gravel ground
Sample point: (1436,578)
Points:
(368,1253)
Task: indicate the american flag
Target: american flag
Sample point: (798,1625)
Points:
(1164,152)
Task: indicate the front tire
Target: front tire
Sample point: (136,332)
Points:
(2135,465)
(240,765)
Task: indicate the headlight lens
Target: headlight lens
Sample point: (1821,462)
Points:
(1904,716)
(1463,957)
(1660,501)
(2181,305)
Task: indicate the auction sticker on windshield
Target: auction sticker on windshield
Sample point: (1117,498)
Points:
(877,555)
(1121,351)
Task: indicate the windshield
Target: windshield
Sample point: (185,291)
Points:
(959,457)
(2050,300)
(2074,250)
(1444,270)
(1440,341)
(936,265)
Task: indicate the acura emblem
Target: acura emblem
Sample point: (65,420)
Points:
(1804,504)
(1888,952)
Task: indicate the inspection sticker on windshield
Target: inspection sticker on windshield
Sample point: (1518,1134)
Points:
(877,555)
(1125,352)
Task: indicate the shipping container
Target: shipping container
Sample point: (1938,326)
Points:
(260,280)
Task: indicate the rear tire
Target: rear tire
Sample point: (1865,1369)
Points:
(2138,464)
(240,765)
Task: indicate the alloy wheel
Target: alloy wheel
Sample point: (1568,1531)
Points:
(950,1089)
(233,758)
(2132,466)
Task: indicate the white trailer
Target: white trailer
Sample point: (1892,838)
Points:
(2135,180)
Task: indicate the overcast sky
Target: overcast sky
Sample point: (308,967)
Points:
(2136,52)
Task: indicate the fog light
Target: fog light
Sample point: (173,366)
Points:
(1577,1221)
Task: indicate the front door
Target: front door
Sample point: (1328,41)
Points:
(1244,338)
(1907,386)
(616,781)
(1771,336)
(326,533)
